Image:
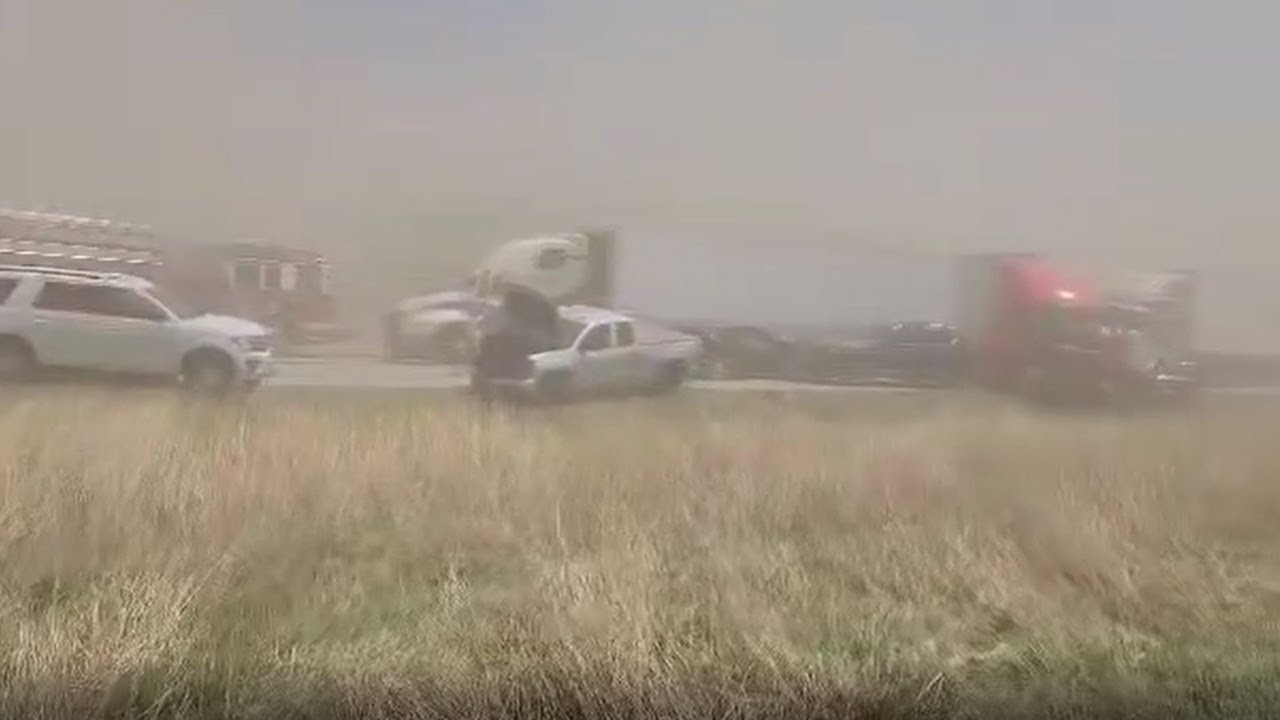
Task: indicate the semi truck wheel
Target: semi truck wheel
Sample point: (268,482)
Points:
(480,387)
(1036,386)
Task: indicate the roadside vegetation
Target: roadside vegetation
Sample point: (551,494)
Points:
(391,556)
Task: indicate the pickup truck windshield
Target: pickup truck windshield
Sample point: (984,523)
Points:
(569,331)
(597,338)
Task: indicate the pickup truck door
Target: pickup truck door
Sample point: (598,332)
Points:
(633,366)
(602,365)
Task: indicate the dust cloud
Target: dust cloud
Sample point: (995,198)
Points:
(405,138)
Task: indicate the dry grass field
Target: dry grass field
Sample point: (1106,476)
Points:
(370,556)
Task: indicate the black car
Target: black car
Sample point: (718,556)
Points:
(741,352)
(902,353)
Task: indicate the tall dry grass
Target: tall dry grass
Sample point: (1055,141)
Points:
(684,557)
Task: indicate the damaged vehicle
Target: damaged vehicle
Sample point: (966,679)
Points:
(906,353)
(1148,335)
(531,350)
(440,327)
(740,352)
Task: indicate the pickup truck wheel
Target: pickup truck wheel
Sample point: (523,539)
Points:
(480,387)
(713,369)
(208,372)
(391,350)
(554,387)
(670,378)
(16,360)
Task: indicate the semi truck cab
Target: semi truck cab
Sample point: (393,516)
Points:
(565,268)
(1036,329)
(1030,326)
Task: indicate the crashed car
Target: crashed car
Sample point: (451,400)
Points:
(741,352)
(1147,371)
(440,327)
(910,353)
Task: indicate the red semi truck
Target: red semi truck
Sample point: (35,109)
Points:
(1034,328)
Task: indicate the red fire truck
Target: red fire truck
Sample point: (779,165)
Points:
(284,288)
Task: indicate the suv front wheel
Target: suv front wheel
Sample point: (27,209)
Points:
(16,360)
(208,372)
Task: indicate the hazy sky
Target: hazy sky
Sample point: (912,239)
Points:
(1100,129)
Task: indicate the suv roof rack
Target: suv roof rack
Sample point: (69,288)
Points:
(73,222)
(66,272)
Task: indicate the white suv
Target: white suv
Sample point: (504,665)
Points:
(121,324)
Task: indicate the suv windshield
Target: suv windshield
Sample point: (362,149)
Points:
(176,305)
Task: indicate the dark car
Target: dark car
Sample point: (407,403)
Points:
(902,353)
(922,353)
(741,352)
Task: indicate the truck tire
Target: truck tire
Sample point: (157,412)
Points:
(479,387)
(554,388)
(712,368)
(208,372)
(17,360)
(670,377)
(392,349)
(1032,385)
(455,345)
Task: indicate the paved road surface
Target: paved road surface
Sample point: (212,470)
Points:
(371,374)
(357,373)
(354,373)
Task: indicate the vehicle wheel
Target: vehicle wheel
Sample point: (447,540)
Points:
(480,387)
(392,343)
(1187,397)
(391,350)
(714,369)
(554,387)
(1033,385)
(208,372)
(670,378)
(456,345)
(16,360)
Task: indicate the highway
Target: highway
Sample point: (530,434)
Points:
(356,373)
(361,373)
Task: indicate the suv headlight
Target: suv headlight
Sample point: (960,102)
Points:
(253,343)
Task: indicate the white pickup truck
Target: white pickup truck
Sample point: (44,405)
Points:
(601,352)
